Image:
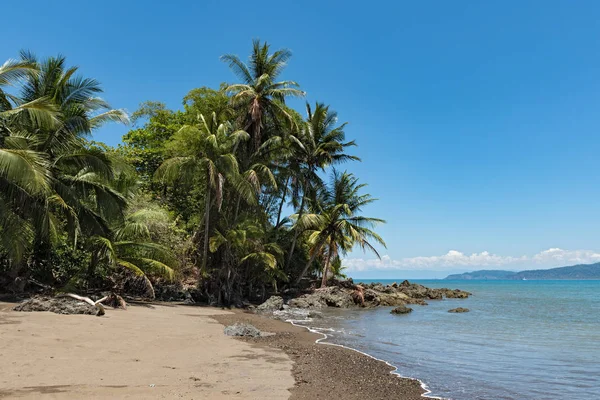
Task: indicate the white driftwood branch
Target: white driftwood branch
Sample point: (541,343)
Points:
(97,304)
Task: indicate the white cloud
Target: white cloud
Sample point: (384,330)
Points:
(454,259)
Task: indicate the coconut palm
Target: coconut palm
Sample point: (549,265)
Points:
(247,246)
(207,151)
(50,176)
(260,95)
(338,226)
(130,246)
(319,144)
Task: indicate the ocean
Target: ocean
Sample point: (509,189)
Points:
(520,340)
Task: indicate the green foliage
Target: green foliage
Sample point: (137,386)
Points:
(198,193)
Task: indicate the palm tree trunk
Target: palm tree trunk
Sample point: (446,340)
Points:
(282,200)
(206,226)
(309,263)
(327,263)
(296,233)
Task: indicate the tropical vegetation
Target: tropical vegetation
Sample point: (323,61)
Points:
(237,192)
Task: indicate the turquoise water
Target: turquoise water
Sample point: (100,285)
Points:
(521,339)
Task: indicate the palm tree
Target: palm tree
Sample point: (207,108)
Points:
(131,247)
(259,95)
(338,226)
(47,168)
(319,144)
(207,151)
(247,246)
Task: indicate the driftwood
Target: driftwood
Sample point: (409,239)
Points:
(97,304)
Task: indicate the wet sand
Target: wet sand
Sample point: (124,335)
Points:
(328,372)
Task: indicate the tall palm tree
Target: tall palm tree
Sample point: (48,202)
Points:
(207,151)
(319,144)
(260,95)
(338,227)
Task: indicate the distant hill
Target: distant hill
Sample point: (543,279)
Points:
(582,271)
(483,274)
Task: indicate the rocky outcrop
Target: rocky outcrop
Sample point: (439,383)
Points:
(332,296)
(456,294)
(346,294)
(458,310)
(401,310)
(58,305)
(273,303)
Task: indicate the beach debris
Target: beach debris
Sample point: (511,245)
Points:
(240,329)
(273,303)
(401,310)
(459,310)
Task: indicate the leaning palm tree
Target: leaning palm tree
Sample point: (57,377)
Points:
(338,226)
(260,95)
(206,151)
(318,145)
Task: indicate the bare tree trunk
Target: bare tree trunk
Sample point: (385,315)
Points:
(206,227)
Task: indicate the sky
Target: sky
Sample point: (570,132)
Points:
(477,122)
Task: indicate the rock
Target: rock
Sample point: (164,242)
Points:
(456,294)
(58,305)
(331,296)
(238,329)
(371,297)
(401,310)
(434,294)
(394,299)
(273,303)
(459,310)
(420,302)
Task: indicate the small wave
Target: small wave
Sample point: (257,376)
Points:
(393,372)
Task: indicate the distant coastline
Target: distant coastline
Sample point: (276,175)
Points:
(573,272)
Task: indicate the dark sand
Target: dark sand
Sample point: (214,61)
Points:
(327,372)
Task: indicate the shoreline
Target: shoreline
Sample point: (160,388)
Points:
(328,370)
(427,391)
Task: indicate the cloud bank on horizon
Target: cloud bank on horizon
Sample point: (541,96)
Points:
(454,259)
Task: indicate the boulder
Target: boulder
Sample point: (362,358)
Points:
(372,298)
(459,310)
(401,310)
(456,294)
(58,305)
(331,296)
(238,329)
(394,299)
(273,303)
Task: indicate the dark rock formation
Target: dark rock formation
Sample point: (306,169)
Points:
(401,310)
(456,294)
(331,296)
(459,310)
(346,294)
(273,303)
(58,305)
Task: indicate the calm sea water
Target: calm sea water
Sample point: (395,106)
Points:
(521,340)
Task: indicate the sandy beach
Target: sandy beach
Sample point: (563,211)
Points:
(173,351)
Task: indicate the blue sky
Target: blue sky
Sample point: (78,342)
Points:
(478,123)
